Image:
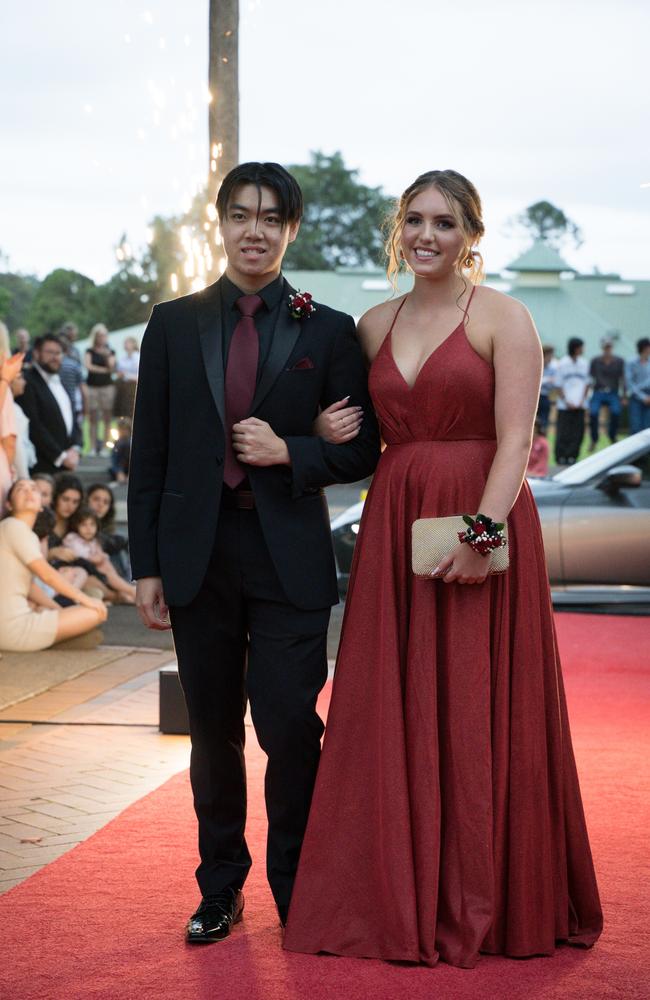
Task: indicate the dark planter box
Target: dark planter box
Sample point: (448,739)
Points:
(173,710)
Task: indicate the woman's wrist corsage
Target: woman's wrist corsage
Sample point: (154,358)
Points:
(483,534)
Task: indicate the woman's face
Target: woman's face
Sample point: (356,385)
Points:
(101,339)
(25,497)
(45,489)
(431,240)
(67,503)
(99,501)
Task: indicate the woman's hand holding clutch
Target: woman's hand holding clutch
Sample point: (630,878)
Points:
(462,565)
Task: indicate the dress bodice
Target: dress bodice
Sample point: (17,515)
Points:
(452,397)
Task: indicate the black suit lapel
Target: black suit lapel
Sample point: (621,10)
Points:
(209,320)
(55,420)
(286,332)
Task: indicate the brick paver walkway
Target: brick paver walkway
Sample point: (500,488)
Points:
(91,747)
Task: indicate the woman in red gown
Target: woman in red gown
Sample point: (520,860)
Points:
(447,819)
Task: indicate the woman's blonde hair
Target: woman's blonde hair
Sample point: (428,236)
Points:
(98,328)
(465,207)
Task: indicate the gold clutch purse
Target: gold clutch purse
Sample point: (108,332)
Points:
(433,538)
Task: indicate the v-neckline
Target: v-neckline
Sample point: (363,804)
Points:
(427,359)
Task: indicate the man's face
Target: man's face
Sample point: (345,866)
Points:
(254,238)
(22,339)
(49,357)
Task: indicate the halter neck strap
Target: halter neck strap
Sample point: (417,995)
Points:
(399,309)
(469,301)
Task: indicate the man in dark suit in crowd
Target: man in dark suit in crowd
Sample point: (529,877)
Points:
(229,529)
(49,408)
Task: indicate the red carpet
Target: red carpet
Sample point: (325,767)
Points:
(106,919)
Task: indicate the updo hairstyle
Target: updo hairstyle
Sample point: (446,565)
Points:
(465,207)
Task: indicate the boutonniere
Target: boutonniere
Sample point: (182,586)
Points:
(301,305)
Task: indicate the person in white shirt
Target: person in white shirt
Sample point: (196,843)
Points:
(572,382)
(127,374)
(25,456)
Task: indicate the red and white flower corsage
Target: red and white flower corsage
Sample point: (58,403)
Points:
(483,534)
(301,305)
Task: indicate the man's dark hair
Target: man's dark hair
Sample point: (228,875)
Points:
(573,345)
(44,523)
(270,175)
(642,344)
(66,481)
(38,343)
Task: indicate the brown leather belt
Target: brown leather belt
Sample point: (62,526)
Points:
(237,499)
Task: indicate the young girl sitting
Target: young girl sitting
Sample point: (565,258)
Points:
(82,539)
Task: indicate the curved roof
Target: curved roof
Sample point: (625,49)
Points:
(540,257)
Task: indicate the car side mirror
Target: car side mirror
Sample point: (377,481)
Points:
(621,477)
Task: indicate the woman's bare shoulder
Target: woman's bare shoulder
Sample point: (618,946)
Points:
(375,324)
(500,305)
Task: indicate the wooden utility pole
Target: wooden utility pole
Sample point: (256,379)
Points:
(223,83)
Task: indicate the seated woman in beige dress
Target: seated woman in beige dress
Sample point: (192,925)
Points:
(29,619)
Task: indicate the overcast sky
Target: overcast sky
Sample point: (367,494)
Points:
(103,114)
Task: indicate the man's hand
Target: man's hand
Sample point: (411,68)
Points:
(151,604)
(71,460)
(255,443)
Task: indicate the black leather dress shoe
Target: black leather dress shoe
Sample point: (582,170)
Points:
(215,917)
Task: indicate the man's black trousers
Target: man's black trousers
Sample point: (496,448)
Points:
(240,638)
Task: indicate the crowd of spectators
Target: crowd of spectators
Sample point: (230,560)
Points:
(581,390)
(59,551)
(55,402)
(61,559)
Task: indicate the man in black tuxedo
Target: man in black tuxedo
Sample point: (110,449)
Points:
(49,409)
(229,529)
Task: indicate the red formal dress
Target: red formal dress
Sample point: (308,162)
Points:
(446,819)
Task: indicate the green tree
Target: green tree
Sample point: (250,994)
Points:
(544,221)
(126,299)
(342,223)
(64,295)
(17,292)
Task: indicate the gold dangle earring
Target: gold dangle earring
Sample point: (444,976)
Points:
(469,260)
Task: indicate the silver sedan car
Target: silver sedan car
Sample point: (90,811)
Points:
(596,524)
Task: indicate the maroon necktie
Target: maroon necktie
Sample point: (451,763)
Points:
(241,377)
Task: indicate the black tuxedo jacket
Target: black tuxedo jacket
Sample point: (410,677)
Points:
(178,445)
(47,428)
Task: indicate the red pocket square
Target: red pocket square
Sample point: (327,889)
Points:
(302,365)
